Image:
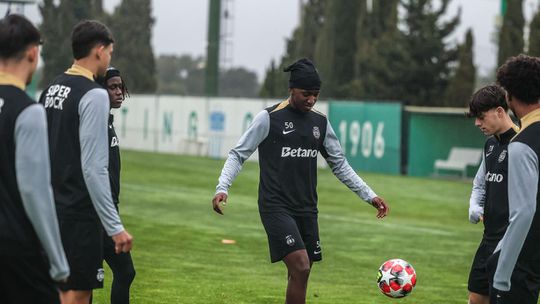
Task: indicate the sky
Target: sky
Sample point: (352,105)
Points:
(258,29)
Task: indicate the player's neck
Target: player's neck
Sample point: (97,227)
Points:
(19,71)
(88,64)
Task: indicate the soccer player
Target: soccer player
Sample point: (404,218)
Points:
(121,264)
(489,197)
(289,136)
(28,224)
(517,256)
(77,112)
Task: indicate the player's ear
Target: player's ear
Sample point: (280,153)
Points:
(32,54)
(98,50)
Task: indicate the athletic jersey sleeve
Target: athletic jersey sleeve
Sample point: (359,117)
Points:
(478,194)
(94,114)
(248,143)
(522,191)
(341,168)
(33,170)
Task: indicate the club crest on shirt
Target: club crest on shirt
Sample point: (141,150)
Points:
(316,132)
(1,104)
(502,156)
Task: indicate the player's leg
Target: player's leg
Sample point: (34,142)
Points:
(82,240)
(476,298)
(286,244)
(75,296)
(122,269)
(478,284)
(298,269)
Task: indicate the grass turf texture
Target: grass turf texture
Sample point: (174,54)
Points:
(179,257)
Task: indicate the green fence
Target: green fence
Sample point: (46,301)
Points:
(370,134)
(431,134)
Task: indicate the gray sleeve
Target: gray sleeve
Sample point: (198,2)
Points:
(248,143)
(33,170)
(94,113)
(522,192)
(478,194)
(341,168)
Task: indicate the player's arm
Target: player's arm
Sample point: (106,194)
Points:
(478,194)
(33,170)
(522,191)
(93,135)
(248,143)
(335,158)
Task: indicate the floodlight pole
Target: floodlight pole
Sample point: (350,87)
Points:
(212,52)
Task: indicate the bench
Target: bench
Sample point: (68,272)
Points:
(458,160)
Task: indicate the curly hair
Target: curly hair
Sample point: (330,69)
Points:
(485,99)
(520,77)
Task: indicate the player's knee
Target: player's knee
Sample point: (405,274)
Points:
(125,275)
(130,275)
(300,269)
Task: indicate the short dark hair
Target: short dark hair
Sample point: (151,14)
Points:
(520,77)
(16,34)
(86,35)
(485,99)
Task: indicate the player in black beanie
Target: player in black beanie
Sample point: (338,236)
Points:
(289,136)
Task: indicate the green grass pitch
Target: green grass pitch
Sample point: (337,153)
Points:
(179,257)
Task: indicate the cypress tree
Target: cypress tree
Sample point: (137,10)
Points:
(425,75)
(511,34)
(534,35)
(301,44)
(335,50)
(461,85)
(131,25)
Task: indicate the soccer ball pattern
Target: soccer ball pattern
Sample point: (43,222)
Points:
(396,278)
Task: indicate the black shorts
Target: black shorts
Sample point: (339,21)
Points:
(525,283)
(83,244)
(26,280)
(288,233)
(478,277)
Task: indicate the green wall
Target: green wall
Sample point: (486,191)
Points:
(370,134)
(431,136)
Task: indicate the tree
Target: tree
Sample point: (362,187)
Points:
(511,34)
(56,28)
(269,87)
(182,75)
(426,73)
(308,32)
(377,52)
(238,82)
(534,35)
(301,44)
(335,51)
(461,85)
(133,53)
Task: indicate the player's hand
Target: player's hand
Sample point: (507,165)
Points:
(219,201)
(123,242)
(381,206)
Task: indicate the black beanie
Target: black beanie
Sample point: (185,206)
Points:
(111,72)
(304,75)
